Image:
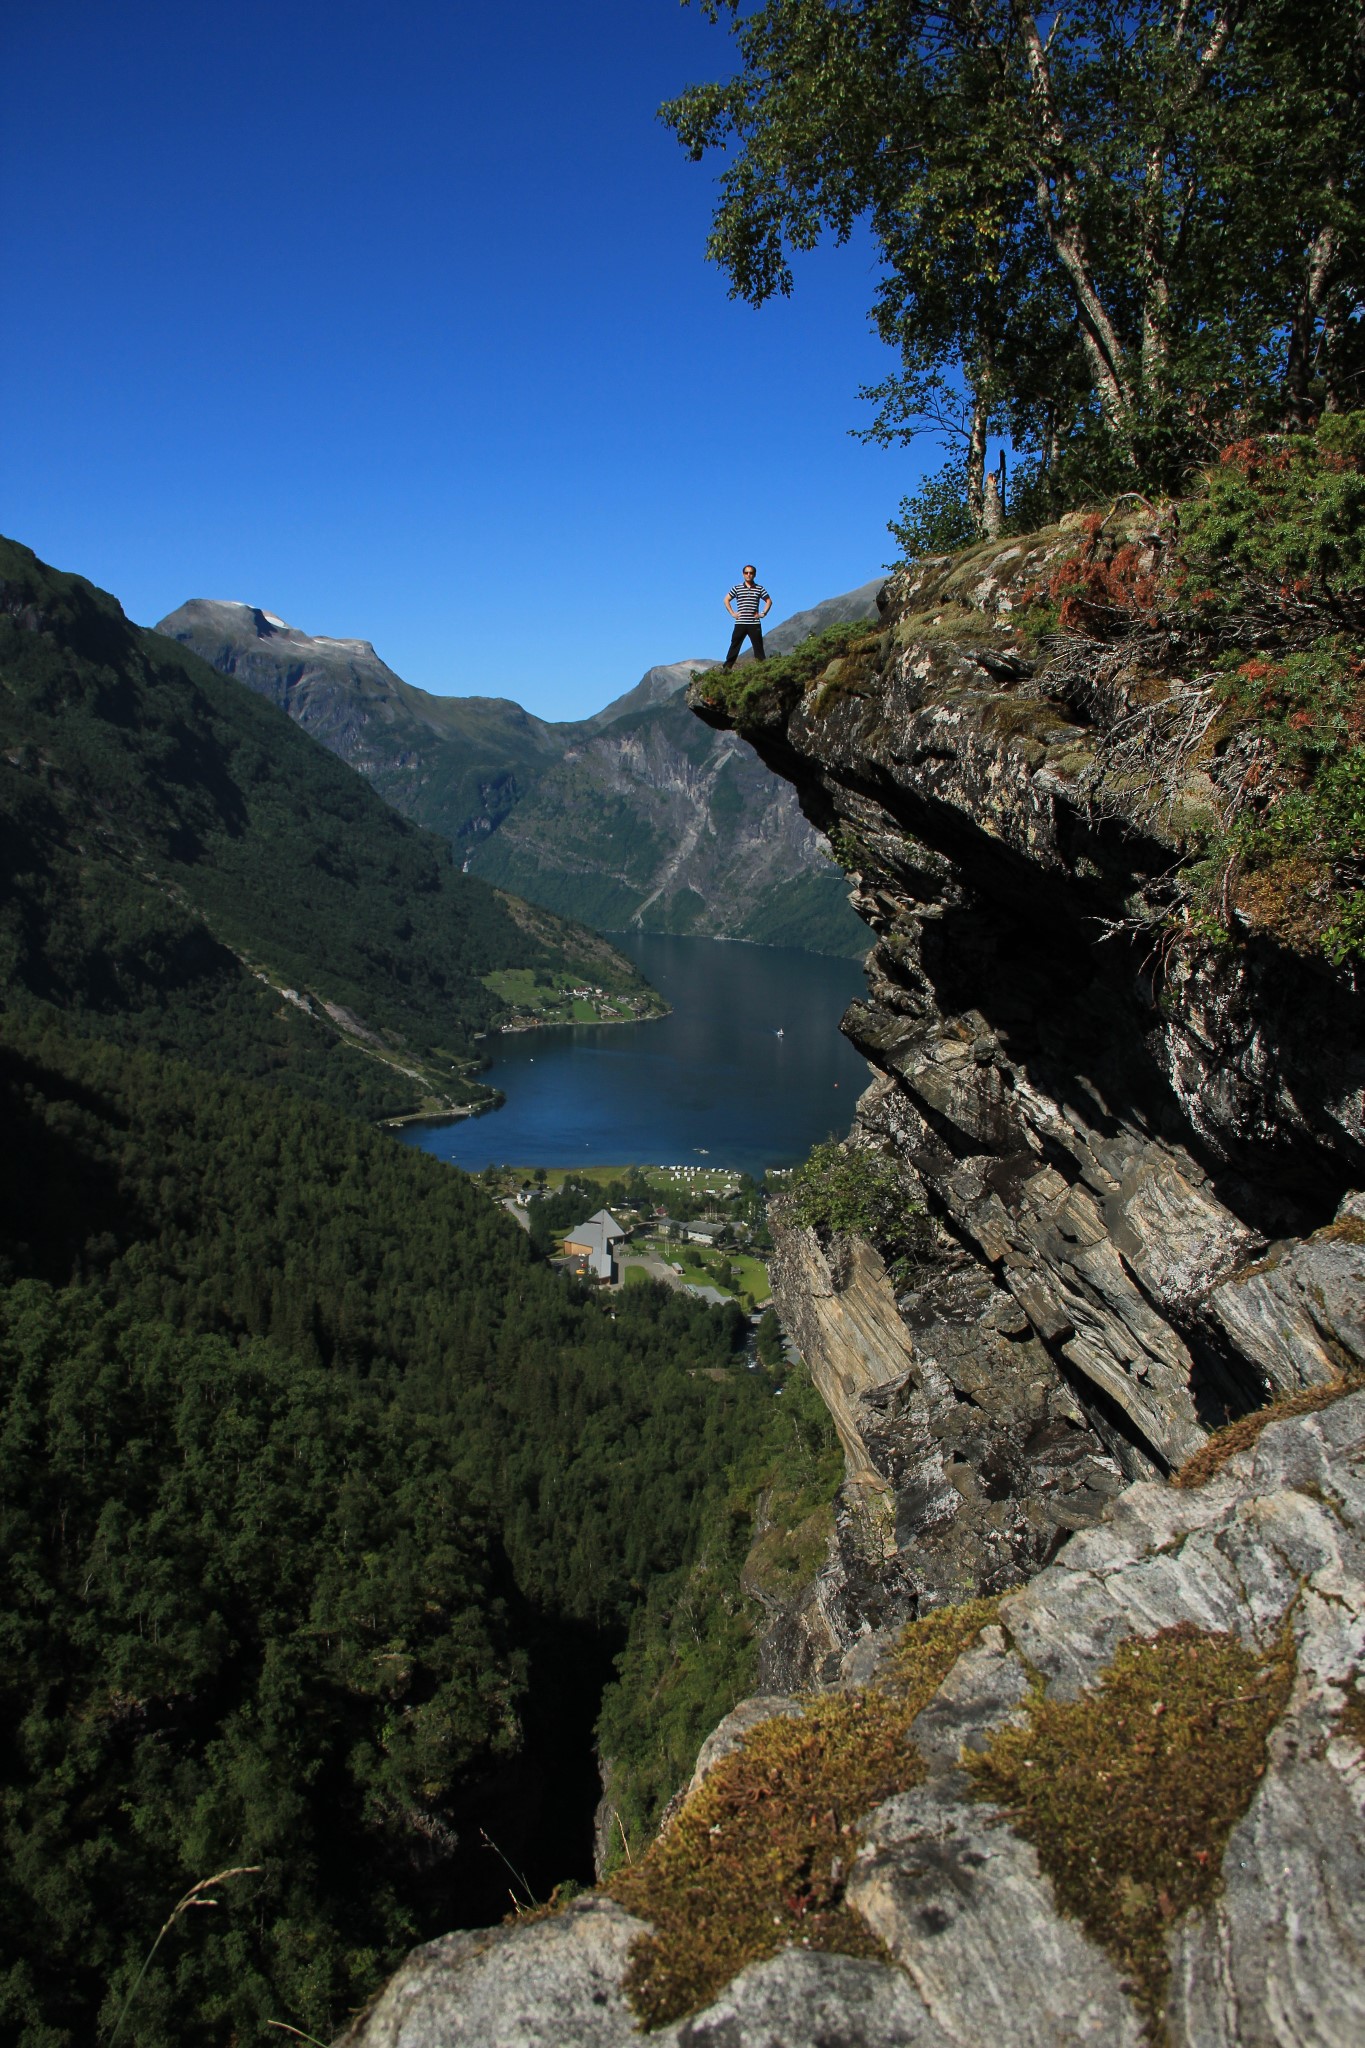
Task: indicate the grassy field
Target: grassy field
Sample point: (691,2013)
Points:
(526,995)
(749,1274)
(664,1180)
(752,1276)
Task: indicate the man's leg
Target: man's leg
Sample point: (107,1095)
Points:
(756,635)
(736,642)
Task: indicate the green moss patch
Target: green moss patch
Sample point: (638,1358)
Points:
(759,693)
(1240,1435)
(1025,717)
(757,1859)
(1129,1793)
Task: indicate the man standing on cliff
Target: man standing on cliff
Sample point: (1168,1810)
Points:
(743,604)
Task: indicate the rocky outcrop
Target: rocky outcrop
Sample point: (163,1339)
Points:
(1132,1144)
(977,1948)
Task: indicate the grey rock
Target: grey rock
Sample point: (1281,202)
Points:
(1302,1316)
(1279,1959)
(800,2000)
(549,1984)
(965,1910)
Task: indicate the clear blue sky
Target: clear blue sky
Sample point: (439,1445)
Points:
(396,321)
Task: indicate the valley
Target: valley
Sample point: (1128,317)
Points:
(327,1557)
(690,1376)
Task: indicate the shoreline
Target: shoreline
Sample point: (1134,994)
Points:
(575,1023)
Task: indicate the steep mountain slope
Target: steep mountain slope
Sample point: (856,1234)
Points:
(658,685)
(628,817)
(184,863)
(457,764)
(654,822)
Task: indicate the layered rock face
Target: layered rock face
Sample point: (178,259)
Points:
(1134,1147)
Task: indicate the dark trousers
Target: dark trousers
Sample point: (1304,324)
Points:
(745,629)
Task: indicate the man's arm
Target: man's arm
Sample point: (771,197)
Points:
(729,607)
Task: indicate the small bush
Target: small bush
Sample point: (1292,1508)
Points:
(936,519)
(1284,518)
(843,1193)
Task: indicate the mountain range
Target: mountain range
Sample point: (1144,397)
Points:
(635,816)
(184,869)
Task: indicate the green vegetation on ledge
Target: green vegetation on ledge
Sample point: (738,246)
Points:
(1129,1792)
(839,1191)
(758,1856)
(1220,644)
(759,693)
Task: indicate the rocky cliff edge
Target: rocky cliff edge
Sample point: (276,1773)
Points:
(1128,1141)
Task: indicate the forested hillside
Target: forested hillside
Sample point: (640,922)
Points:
(326,1505)
(178,857)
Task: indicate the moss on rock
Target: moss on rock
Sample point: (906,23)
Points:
(1240,1435)
(1129,1792)
(756,1860)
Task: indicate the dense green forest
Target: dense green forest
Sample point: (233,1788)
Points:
(338,1527)
(313,1474)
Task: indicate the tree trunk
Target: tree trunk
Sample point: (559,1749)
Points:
(1299,404)
(976,461)
(1156,290)
(993,507)
(1060,213)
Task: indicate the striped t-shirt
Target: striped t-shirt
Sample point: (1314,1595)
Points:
(746,599)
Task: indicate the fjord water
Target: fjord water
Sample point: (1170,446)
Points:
(713,1081)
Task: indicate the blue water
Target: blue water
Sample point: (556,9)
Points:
(711,1080)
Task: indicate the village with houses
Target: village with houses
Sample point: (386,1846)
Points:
(698,1230)
(537,997)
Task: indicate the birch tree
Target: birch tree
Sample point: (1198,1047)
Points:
(1119,232)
